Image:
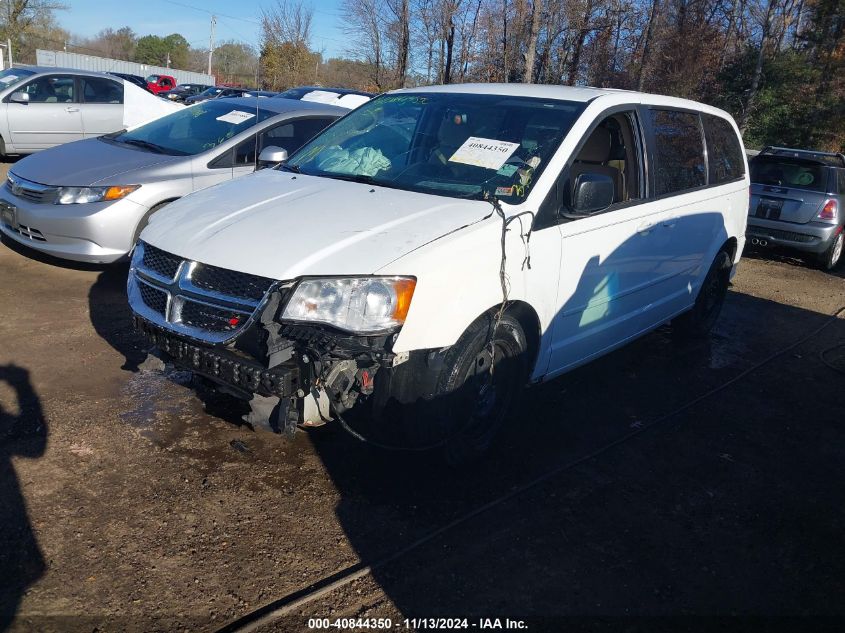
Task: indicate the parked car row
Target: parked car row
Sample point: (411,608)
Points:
(428,253)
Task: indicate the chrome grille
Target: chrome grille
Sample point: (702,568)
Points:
(153,298)
(211,318)
(31,191)
(230,282)
(163,264)
(203,302)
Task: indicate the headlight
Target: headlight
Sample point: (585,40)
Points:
(80,195)
(357,304)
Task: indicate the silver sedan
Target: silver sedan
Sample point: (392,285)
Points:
(88,201)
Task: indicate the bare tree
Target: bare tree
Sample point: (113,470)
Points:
(536,10)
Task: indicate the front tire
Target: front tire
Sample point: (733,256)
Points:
(471,404)
(832,257)
(698,322)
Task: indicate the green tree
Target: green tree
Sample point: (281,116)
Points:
(154,50)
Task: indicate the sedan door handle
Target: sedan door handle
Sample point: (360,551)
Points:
(645,227)
(71,109)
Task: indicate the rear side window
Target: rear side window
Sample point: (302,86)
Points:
(788,172)
(678,151)
(840,177)
(97,90)
(724,152)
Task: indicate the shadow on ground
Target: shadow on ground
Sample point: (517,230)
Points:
(728,508)
(23,433)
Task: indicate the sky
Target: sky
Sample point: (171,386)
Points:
(192,19)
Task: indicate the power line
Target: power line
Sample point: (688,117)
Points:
(217,13)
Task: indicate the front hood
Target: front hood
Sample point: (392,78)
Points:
(282,225)
(87,162)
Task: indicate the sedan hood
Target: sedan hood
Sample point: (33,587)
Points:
(283,225)
(87,162)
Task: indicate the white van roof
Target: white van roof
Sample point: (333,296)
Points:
(565,93)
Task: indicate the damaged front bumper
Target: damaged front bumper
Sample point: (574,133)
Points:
(223,366)
(226,326)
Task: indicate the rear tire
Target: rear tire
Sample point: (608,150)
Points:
(698,322)
(832,257)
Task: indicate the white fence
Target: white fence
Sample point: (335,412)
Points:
(62,59)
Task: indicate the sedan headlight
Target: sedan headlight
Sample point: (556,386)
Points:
(81,195)
(357,304)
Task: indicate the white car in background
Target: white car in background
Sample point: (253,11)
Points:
(44,107)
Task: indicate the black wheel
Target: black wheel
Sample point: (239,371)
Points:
(831,258)
(2,148)
(698,322)
(471,404)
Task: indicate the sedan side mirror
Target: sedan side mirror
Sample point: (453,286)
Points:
(592,193)
(19,97)
(272,155)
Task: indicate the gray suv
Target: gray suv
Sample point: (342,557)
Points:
(797,199)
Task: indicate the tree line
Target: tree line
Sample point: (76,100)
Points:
(777,65)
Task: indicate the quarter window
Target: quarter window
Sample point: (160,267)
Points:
(678,152)
(724,152)
(97,90)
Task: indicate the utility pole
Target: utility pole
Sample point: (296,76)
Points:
(9,30)
(211,42)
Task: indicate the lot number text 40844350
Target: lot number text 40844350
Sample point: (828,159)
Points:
(416,624)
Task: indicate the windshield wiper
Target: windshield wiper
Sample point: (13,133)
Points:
(294,168)
(363,179)
(158,149)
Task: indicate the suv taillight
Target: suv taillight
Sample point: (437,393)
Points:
(828,212)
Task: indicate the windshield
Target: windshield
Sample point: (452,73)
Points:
(785,172)
(152,79)
(210,92)
(459,145)
(13,76)
(192,130)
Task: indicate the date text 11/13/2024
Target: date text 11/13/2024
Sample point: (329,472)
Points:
(416,624)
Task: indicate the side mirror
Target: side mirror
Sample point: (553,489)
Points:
(19,97)
(272,155)
(592,193)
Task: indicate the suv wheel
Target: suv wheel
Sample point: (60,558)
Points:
(833,255)
(698,322)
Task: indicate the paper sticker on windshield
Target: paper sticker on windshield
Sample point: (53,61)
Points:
(236,117)
(8,79)
(484,152)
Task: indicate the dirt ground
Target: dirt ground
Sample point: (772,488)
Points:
(129,504)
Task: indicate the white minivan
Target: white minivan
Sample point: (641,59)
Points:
(438,248)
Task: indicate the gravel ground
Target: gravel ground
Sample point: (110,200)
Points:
(129,503)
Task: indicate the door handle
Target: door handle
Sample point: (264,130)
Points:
(645,227)
(670,222)
(71,109)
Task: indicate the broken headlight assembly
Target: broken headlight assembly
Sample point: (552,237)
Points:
(362,305)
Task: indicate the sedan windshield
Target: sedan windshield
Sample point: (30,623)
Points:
(210,92)
(459,145)
(13,76)
(192,130)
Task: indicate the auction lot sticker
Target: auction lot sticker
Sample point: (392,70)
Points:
(236,116)
(484,152)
